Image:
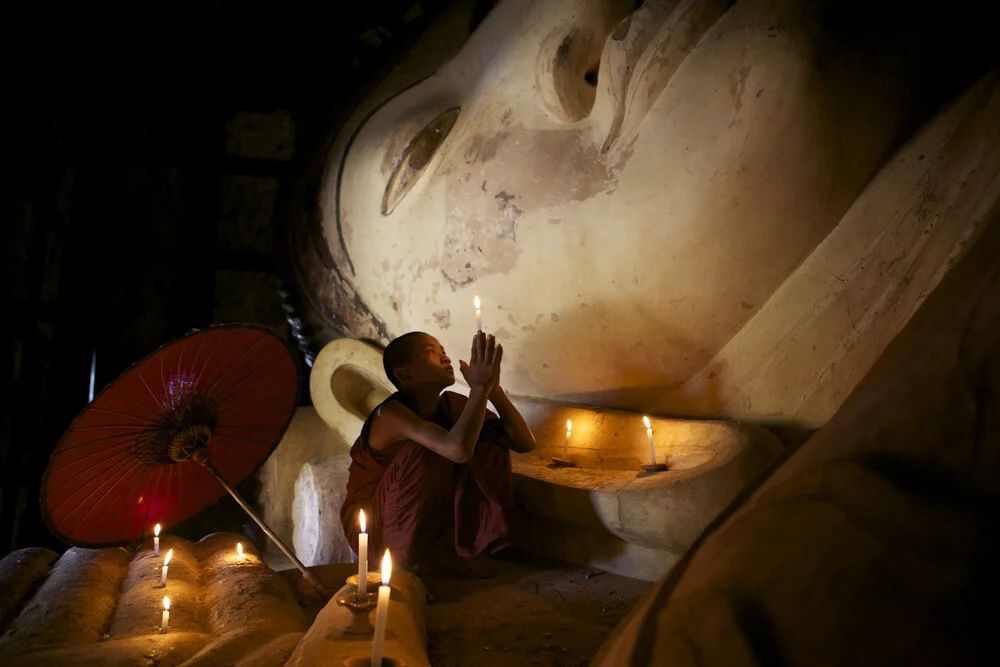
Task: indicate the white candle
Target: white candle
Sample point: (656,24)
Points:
(479,316)
(239,551)
(156,540)
(363,559)
(381,612)
(649,437)
(163,572)
(569,433)
(166,616)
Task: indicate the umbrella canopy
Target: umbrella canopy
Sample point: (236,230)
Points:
(127,462)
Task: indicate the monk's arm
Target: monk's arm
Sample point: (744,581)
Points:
(521,438)
(456,444)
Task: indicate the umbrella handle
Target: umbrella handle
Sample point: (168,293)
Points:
(201,456)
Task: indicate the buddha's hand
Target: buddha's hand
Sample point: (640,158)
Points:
(482,371)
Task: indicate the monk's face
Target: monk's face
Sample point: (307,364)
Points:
(430,366)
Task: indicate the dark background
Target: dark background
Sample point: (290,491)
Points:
(146,145)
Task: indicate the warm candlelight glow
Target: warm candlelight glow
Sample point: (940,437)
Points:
(386,568)
(479,316)
(477,303)
(156,540)
(382,612)
(166,616)
(156,530)
(649,440)
(239,549)
(363,558)
(163,570)
(569,426)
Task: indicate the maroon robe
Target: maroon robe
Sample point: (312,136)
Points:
(411,494)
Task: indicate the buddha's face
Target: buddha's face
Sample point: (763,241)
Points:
(623,188)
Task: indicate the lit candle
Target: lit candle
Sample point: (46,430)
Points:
(382,611)
(649,438)
(156,540)
(479,316)
(163,572)
(166,615)
(239,551)
(569,433)
(363,559)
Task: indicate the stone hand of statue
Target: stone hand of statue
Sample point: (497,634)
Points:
(482,371)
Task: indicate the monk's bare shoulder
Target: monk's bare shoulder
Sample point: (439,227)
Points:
(388,424)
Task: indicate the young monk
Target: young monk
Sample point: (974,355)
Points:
(432,470)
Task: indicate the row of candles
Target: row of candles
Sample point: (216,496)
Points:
(165,568)
(649,439)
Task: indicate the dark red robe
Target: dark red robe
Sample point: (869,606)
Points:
(411,494)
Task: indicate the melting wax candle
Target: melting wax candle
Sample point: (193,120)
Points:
(569,434)
(166,616)
(381,612)
(649,438)
(156,540)
(479,316)
(163,572)
(363,558)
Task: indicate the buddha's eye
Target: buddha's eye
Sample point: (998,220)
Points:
(415,158)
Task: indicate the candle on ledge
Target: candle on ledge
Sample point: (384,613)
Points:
(163,572)
(239,551)
(166,615)
(569,433)
(363,559)
(156,540)
(649,437)
(479,316)
(381,612)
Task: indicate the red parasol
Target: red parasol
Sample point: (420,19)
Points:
(149,448)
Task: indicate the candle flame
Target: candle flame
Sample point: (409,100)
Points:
(569,426)
(386,568)
(156,530)
(166,603)
(239,548)
(645,420)
(166,561)
(364,526)
(476,300)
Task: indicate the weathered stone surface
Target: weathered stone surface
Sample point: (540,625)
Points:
(720,208)
(20,572)
(98,607)
(319,493)
(875,543)
(72,607)
(406,635)
(307,438)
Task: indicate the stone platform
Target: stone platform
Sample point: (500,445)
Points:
(104,607)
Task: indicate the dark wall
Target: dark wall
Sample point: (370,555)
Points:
(147,146)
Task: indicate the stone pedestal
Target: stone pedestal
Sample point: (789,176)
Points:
(318,536)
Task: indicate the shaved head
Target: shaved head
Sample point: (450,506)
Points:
(400,352)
